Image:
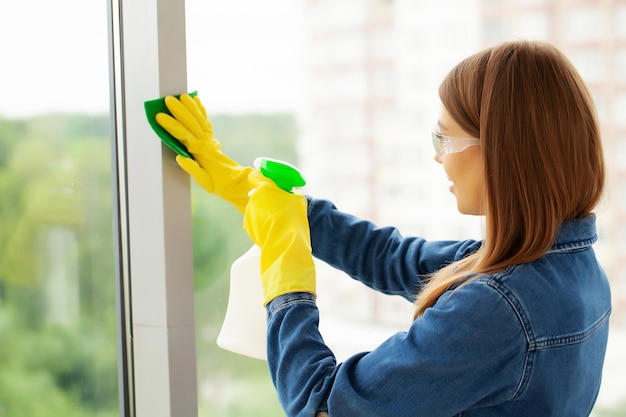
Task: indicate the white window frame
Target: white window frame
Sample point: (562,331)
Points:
(156,332)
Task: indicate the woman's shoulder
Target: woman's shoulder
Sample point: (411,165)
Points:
(560,293)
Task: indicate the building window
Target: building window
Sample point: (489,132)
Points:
(620,65)
(619,23)
(590,63)
(533,25)
(584,24)
(620,155)
(620,109)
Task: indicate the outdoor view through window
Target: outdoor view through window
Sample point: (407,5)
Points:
(344,89)
(58,355)
(347,90)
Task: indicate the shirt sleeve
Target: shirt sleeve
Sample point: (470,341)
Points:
(379,257)
(466,351)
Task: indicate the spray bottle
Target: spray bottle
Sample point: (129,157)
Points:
(244,328)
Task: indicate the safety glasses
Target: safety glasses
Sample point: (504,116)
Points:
(449,144)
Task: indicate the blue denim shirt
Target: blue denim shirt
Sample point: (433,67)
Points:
(527,341)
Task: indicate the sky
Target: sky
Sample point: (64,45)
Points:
(245,54)
(242,55)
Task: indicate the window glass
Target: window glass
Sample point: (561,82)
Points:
(584,24)
(243,60)
(590,63)
(620,65)
(601,102)
(492,30)
(620,109)
(349,96)
(621,199)
(619,22)
(533,25)
(621,155)
(57,281)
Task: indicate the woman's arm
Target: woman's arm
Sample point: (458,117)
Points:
(468,350)
(380,258)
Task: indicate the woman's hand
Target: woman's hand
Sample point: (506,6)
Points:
(210,168)
(276,220)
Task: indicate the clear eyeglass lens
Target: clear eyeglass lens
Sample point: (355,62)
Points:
(445,144)
(438,142)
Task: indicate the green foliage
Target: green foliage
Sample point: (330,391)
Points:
(70,371)
(59,359)
(219,239)
(59,353)
(247,137)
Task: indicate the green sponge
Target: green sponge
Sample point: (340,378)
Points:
(152,108)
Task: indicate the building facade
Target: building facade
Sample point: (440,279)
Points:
(373,74)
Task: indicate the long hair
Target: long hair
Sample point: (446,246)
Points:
(542,153)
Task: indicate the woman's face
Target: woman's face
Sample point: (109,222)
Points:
(465,168)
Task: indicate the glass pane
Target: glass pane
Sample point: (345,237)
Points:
(245,71)
(620,109)
(585,24)
(590,63)
(620,65)
(347,91)
(533,25)
(619,22)
(57,284)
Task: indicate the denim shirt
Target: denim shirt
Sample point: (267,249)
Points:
(526,341)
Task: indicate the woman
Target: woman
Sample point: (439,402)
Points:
(513,325)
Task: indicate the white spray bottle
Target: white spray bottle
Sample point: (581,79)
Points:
(244,328)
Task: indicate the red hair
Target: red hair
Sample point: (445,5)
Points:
(541,147)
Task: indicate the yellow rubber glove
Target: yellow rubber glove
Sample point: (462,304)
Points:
(277,222)
(211,169)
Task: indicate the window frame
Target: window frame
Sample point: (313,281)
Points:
(152,215)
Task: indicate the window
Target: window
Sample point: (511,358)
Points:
(335,134)
(619,22)
(590,63)
(621,154)
(620,65)
(533,25)
(584,24)
(64,350)
(58,315)
(492,30)
(620,109)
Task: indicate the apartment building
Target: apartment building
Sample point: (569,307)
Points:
(373,73)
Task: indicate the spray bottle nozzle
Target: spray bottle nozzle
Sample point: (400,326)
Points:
(285,175)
